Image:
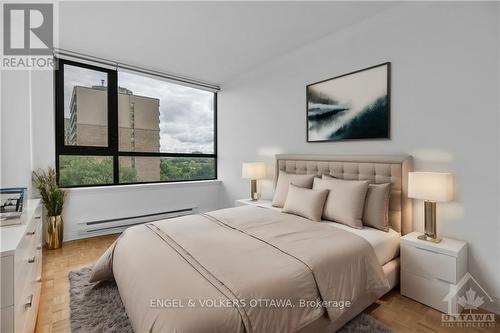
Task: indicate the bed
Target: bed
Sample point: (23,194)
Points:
(257,269)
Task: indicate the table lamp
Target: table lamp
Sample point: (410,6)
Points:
(253,171)
(431,187)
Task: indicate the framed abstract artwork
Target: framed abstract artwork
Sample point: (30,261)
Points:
(352,106)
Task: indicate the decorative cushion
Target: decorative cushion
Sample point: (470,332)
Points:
(284,180)
(305,202)
(376,211)
(345,201)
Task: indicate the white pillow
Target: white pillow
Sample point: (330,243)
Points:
(284,180)
(345,201)
(305,202)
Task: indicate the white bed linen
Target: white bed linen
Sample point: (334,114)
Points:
(385,244)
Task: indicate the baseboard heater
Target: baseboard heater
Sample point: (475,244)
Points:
(112,226)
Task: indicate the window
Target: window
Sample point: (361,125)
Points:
(121,127)
(85,107)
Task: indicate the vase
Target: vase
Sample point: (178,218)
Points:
(54,232)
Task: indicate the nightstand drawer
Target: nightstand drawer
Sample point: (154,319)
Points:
(427,291)
(428,264)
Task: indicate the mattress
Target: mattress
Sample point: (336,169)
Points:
(385,244)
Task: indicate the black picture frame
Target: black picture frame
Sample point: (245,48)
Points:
(383,128)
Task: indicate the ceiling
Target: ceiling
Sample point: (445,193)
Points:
(211,41)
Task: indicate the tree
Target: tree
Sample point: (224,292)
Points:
(186,168)
(90,170)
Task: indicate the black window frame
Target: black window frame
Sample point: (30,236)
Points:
(112,150)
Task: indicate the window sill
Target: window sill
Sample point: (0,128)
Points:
(152,186)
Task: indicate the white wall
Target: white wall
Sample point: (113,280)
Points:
(15,129)
(444,111)
(42,116)
(91,204)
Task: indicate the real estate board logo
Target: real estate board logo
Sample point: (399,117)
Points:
(28,35)
(465,300)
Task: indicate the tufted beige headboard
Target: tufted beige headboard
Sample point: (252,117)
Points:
(375,168)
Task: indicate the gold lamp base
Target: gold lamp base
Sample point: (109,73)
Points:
(430,223)
(429,239)
(253,190)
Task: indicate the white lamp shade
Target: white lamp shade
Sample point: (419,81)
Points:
(253,170)
(432,186)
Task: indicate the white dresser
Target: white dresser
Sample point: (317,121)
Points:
(21,269)
(429,269)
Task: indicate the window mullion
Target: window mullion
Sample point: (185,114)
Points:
(113,123)
(160,154)
(59,112)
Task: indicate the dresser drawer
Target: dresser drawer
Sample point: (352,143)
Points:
(37,251)
(428,264)
(38,213)
(25,261)
(26,303)
(31,312)
(21,310)
(7,281)
(7,320)
(26,309)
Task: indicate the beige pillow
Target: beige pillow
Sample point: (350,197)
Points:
(345,202)
(305,202)
(284,180)
(376,213)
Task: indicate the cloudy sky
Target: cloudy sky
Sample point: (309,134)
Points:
(186,114)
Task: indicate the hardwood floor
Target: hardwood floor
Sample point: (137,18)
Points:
(53,311)
(403,314)
(398,312)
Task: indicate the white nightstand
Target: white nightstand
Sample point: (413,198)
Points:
(242,202)
(429,269)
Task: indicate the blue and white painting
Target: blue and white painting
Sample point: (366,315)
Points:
(351,106)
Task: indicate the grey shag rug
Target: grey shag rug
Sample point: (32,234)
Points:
(95,308)
(98,308)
